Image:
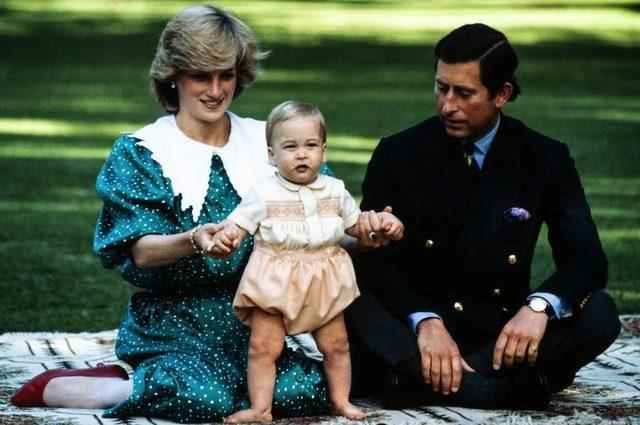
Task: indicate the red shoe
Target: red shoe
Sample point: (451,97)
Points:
(30,394)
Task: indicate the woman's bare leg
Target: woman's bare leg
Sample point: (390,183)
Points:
(265,346)
(333,343)
(86,392)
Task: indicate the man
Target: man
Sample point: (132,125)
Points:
(449,310)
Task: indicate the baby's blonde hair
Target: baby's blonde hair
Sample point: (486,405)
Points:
(294,109)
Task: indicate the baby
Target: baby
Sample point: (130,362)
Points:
(298,278)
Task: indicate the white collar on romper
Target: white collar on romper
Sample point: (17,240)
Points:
(187,162)
(319,183)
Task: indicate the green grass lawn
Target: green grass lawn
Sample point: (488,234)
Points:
(73,76)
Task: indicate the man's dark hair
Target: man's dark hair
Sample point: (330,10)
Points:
(479,42)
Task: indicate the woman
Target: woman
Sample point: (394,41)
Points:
(160,186)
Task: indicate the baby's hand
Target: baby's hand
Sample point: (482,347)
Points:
(226,240)
(392,227)
(376,229)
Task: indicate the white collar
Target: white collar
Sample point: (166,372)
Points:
(319,183)
(187,162)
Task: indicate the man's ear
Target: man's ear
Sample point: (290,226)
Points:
(504,94)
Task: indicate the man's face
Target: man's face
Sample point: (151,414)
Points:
(463,102)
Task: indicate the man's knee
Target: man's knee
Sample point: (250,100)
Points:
(377,331)
(600,317)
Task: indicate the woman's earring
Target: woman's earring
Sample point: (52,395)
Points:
(173,84)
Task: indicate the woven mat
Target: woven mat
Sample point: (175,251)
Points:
(605,392)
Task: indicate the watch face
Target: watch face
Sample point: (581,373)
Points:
(537,304)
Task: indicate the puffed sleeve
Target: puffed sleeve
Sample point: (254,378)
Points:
(137,200)
(251,211)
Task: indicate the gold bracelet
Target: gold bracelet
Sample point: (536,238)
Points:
(192,239)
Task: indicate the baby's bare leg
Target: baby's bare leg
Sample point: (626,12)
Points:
(265,346)
(333,343)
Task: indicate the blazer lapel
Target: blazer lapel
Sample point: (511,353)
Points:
(446,184)
(499,188)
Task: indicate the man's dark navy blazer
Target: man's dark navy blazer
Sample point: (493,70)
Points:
(461,258)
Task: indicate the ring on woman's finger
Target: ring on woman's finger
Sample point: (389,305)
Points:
(373,236)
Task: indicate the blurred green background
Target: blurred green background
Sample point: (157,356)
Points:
(73,76)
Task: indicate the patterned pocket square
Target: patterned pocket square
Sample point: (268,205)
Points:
(516,214)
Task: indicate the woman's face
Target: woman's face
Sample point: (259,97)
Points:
(204,97)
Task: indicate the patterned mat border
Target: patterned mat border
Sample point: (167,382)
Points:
(605,392)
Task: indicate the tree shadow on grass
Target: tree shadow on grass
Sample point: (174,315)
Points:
(583,91)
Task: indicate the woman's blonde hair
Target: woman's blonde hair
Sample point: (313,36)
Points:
(203,39)
(294,109)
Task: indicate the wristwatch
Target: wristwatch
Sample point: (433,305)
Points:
(540,305)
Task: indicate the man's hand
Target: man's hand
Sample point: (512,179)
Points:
(392,227)
(442,364)
(370,224)
(520,338)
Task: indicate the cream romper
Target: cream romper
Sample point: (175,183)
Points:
(297,269)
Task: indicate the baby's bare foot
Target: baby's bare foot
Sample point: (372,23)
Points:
(248,415)
(349,411)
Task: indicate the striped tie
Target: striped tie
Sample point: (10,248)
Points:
(470,160)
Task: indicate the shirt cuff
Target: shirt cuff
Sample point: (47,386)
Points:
(561,308)
(415,319)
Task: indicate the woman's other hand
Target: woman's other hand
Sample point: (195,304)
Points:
(225,239)
(155,250)
(204,236)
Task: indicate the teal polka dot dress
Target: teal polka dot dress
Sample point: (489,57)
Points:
(188,350)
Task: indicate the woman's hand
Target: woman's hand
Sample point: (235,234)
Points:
(205,236)
(154,250)
(225,240)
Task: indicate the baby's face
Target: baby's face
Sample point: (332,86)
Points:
(297,149)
